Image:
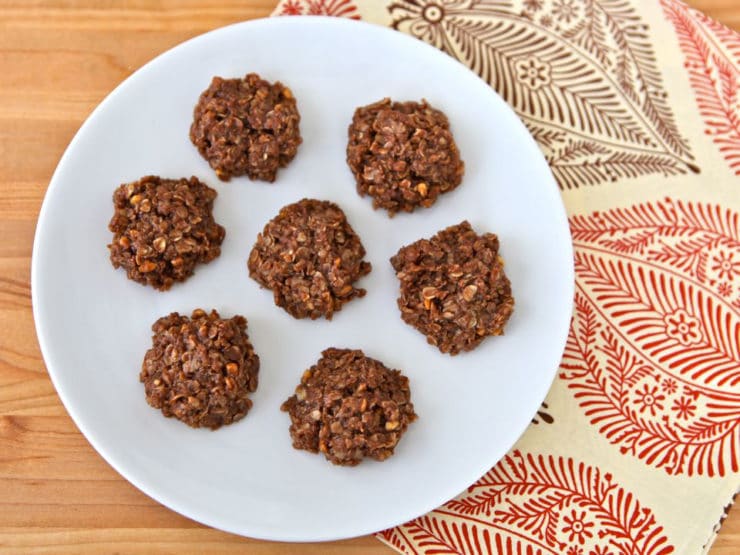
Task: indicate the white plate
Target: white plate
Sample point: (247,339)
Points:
(94,324)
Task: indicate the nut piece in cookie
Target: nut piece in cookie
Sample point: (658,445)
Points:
(200,369)
(246,127)
(310,257)
(453,288)
(403,154)
(162,229)
(349,406)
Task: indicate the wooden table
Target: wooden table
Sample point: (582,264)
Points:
(58,59)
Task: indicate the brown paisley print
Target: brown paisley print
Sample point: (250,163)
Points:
(582,75)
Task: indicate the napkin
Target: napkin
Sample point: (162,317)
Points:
(635,106)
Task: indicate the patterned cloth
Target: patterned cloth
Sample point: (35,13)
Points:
(635,105)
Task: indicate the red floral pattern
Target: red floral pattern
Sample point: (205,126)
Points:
(336,8)
(683,327)
(653,354)
(649,399)
(725,266)
(684,408)
(713,59)
(536,504)
(577,527)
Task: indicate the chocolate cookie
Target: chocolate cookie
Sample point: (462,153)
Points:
(246,127)
(453,288)
(200,369)
(403,154)
(162,229)
(310,257)
(349,406)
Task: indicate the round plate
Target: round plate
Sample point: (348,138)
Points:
(94,324)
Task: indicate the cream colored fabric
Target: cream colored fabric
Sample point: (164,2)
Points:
(635,105)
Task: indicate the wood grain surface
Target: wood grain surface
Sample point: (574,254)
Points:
(58,60)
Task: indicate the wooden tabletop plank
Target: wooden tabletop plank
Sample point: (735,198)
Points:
(726,11)
(58,60)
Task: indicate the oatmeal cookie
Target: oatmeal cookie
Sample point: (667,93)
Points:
(310,257)
(349,406)
(246,127)
(453,288)
(201,369)
(403,154)
(162,229)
